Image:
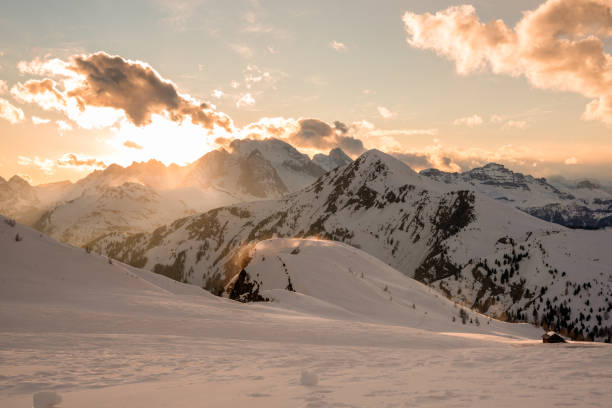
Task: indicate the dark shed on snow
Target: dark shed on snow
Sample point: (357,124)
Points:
(552,337)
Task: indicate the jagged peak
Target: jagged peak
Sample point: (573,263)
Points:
(338,154)
(378,162)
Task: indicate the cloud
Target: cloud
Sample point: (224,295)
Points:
(10,113)
(242,50)
(94,82)
(571,160)
(403,132)
(47,166)
(310,135)
(245,100)
(132,145)
(24,161)
(515,124)
(63,126)
(471,121)
(40,121)
(557,46)
(415,160)
(384,112)
(338,46)
(217,93)
(73,161)
(3,87)
(44,93)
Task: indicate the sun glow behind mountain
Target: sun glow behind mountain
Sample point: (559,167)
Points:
(163,140)
(97,102)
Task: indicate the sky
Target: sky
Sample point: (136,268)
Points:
(437,83)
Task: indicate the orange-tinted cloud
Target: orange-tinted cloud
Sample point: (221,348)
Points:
(556,46)
(132,145)
(9,112)
(71,160)
(103,81)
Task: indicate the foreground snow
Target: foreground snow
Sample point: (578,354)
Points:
(108,335)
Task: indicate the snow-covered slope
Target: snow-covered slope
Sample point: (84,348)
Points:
(336,280)
(105,335)
(586,206)
(471,248)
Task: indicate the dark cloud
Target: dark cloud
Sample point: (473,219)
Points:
(313,133)
(138,90)
(415,160)
(341,127)
(350,145)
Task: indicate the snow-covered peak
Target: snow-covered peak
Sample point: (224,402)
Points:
(335,158)
(295,169)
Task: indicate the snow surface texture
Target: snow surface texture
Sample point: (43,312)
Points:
(108,335)
(469,247)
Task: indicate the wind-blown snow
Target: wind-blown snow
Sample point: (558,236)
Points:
(107,335)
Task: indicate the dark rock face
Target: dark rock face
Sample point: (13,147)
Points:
(246,290)
(552,337)
(574,216)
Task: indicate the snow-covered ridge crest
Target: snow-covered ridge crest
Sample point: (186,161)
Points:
(586,205)
(471,248)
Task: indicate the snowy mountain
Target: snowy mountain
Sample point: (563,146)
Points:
(585,206)
(472,249)
(91,333)
(143,196)
(335,158)
(295,169)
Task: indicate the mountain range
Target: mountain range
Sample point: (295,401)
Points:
(469,235)
(144,196)
(584,205)
(473,249)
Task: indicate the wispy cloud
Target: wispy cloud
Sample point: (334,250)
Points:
(10,112)
(338,46)
(384,112)
(515,124)
(403,132)
(245,100)
(40,121)
(470,121)
(242,50)
(132,145)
